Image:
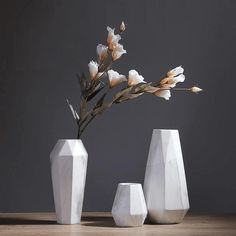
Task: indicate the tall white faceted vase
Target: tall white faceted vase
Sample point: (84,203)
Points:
(129,207)
(165,187)
(68,168)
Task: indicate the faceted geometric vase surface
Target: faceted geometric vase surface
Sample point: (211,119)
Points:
(68,169)
(129,207)
(165,187)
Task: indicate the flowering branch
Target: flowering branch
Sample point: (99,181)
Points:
(135,84)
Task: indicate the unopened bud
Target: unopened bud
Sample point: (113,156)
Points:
(122,26)
(195,89)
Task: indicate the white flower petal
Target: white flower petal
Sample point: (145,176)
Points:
(93,68)
(134,78)
(163,94)
(115,78)
(179,78)
(101,51)
(118,51)
(176,71)
(112,38)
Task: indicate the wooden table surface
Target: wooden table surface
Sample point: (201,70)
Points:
(98,223)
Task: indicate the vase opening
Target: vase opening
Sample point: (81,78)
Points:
(125,184)
(165,129)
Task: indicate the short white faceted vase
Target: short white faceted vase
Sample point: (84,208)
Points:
(165,187)
(68,169)
(129,207)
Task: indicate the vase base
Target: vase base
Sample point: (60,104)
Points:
(68,219)
(68,222)
(129,221)
(167,216)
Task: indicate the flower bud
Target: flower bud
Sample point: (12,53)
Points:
(93,69)
(195,89)
(122,26)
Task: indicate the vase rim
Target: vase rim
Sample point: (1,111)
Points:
(69,139)
(128,184)
(165,129)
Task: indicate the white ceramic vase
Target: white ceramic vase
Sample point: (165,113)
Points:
(129,207)
(68,168)
(165,187)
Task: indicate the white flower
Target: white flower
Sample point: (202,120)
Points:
(101,51)
(176,71)
(163,94)
(93,69)
(173,77)
(195,89)
(177,79)
(122,26)
(118,51)
(134,78)
(112,38)
(115,78)
(113,44)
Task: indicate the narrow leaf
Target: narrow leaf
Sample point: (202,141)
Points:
(83,83)
(94,93)
(100,101)
(122,93)
(127,97)
(101,109)
(73,111)
(82,108)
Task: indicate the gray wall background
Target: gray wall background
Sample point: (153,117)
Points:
(43,44)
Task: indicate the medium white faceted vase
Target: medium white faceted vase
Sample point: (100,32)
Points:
(129,207)
(68,168)
(165,187)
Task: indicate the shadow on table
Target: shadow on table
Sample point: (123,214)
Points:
(98,221)
(109,222)
(20,221)
(104,224)
(101,221)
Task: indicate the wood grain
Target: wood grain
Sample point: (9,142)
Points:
(98,223)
